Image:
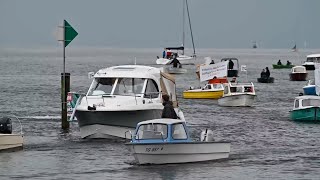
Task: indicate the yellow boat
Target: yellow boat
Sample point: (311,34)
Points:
(210,91)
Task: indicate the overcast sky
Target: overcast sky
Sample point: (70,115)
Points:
(158,23)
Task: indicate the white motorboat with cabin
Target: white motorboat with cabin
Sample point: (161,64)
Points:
(8,140)
(238,94)
(120,97)
(165,141)
(311,60)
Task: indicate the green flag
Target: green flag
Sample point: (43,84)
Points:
(69,33)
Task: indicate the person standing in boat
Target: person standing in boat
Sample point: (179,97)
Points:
(279,62)
(231,64)
(267,72)
(164,53)
(168,110)
(175,61)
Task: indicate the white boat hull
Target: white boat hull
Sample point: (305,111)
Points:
(237,100)
(10,141)
(106,124)
(166,153)
(98,131)
(112,125)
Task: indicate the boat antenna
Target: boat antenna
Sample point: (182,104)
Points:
(194,51)
(183,24)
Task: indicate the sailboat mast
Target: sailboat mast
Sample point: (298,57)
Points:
(183,24)
(194,51)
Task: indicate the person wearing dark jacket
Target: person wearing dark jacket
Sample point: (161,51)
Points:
(168,110)
(267,72)
(231,64)
(263,74)
(175,62)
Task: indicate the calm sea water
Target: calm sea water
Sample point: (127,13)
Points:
(265,144)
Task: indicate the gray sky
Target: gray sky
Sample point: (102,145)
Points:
(158,23)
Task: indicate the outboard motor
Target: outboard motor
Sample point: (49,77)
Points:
(5,125)
(206,135)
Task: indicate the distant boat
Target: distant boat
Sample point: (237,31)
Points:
(312,59)
(306,108)
(298,73)
(254,46)
(167,55)
(294,49)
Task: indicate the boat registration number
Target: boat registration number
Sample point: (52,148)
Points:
(154,149)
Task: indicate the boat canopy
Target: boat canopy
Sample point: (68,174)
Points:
(162,121)
(299,69)
(313,56)
(218,80)
(175,48)
(227,59)
(160,130)
(306,101)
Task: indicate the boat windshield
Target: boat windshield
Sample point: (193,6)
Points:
(124,86)
(178,131)
(152,131)
(311,102)
(102,86)
(129,86)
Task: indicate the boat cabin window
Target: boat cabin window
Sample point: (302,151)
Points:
(152,131)
(129,86)
(311,102)
(248,89)
(313,59)
(226,90)
(296,103)
(178,131)
(235,89)
(217,86)
(152,90)
(208,86)
(102,86)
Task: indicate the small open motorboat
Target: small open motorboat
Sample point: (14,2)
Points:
(306,108)
(282,66)
(265,80)
(164,141)
(298,73)
(238,94)
(9,141)
(209,91)
(310,88)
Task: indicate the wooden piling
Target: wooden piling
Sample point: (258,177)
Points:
(65,88)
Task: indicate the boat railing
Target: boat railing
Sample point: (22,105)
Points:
(125,134)
(21,130)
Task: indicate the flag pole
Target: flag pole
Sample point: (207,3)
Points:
(68,35)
